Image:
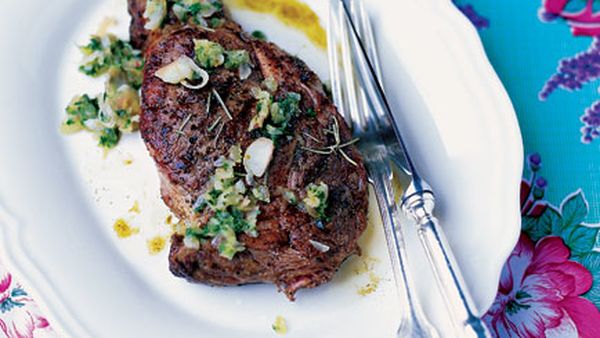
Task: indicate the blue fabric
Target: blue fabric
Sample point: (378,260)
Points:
(525,53)
(547,55)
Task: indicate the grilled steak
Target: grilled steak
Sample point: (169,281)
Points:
(292,249)
(141,37)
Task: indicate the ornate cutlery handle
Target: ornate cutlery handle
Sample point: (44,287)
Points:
(419,203)
(413,323)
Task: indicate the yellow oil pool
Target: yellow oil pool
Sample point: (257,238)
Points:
(293,13)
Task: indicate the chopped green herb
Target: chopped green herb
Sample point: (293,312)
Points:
(209,54)
(282,113)
(274,132)
(216,22)
(270,84)
(290,197)
(196,11)
(259,35)
(236,58)
(311,112)
(290,106)
(262,108)
(107,54)
(200,206)
(235,211)
(315,201)
(235,154)
(261,193)
(79,111)
(109,137)
(222,227)
(120,105)
(117,109)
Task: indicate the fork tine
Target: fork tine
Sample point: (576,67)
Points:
(366,33)
(358,116)
(357,16)
(361,19)
(335,64)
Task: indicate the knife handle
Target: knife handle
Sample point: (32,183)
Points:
(412,323)
(419,206)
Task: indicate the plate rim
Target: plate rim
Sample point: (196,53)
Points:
(63,320)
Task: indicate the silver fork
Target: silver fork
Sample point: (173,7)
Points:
(381,140)
(353,105)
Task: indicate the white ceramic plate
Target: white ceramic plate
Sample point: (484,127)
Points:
(60,196)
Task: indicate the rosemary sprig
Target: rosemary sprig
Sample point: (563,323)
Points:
(208,29)
(312,138)
(208,102)
(222,104)
(187,119)
(338,146)
(214,125)
(219,131)
(183,124)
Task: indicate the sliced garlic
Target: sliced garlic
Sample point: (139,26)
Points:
(245,71)
(182,70)
(155,13)
(191,242)
(258,156)
(319,246)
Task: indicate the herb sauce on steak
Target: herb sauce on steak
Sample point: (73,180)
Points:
(298,243)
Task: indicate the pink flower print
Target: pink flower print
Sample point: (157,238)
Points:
(583,22)
(19,316)
(539,294)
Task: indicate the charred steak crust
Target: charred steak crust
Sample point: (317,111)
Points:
(282,253)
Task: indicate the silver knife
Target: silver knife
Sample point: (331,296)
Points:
(418,200)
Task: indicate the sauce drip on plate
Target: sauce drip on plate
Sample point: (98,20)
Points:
(291,12)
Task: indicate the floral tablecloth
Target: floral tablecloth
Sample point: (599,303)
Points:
(548,56)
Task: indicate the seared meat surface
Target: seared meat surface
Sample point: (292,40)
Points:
(175,125)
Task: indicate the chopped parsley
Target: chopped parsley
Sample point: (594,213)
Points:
(83,113)
(222,228)
(233,204)
(117,109)
(79,111)
(263,106)
(270,84)
(120,105)
(107,54)
(109,137)
(209,54)
(216,22)
(315,201)
(290,197)
(311,112)
(278,114)
(196,11)
(261,193)
(282,113)
(236,58)
(259,35)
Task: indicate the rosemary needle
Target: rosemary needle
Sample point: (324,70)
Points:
(222,104)
(212,126)
(337,146)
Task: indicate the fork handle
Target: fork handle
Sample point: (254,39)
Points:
(412,323)
(419,206)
